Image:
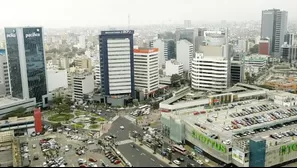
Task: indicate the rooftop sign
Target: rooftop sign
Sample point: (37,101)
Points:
(287,149)
(118,32)
(209,141)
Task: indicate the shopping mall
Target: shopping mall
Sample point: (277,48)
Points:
(246,125)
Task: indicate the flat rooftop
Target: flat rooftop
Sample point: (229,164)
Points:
(220,119)
(8,100)
(16,120)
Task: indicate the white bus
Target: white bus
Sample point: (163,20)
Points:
(180,149)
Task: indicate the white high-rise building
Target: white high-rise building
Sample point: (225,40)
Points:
(82,41)
(57,79)
(173,67)
(163,50)
(184,54)
(146,69)
(97,76)
(211,69)
(242,45)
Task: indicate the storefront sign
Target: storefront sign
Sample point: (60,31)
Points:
(209,141)
(287,149)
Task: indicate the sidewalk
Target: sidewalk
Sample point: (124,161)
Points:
(157,155)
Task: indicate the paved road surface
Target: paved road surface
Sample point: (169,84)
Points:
(139,157)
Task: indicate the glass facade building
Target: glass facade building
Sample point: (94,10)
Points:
(257,148)
(26,61)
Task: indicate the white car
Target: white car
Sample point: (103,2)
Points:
(59,130)
(91,142)
(122,127)
(50,129)
(66,148)
(176,162)
(67,129)
(199,162)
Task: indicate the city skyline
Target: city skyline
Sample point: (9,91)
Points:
(92,13)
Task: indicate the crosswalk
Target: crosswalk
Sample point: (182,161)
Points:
(130,118)
(124,142)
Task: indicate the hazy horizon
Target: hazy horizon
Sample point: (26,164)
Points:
(93,13)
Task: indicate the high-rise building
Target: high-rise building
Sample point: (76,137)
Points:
(4,77)
(184,53)
(80,84)
(117,63)
(189,34)
(187,23)
(242,45)
(274,27)
(162,45)
(237,68)
(82,41)
(211,69)
(146,70)
(84,63)
(264,47)
(97,76)
(290,38)
(289,53)
(27,66)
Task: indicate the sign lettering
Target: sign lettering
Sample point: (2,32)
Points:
(287,149)
(32,35)
(209,141)
(10,35)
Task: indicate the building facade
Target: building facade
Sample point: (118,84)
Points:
(146,70)
(264,47)
(27,66)
(274,26)
(189,34)
(57,79)
(184,53)
(162,46)
(117,63)
(84,62)
(173,67)
(209,73)
(4,76)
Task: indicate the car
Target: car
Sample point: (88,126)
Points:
(199,162)
(117,162)
(34,146)
(92,160)
(181,159)
(176,162)
(91,142)
(122,127)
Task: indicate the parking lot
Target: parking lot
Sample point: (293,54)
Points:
(6,158)
(71,157)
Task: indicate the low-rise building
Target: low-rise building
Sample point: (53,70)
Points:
(256,63)
(173,67)
(9,104)
(56,79)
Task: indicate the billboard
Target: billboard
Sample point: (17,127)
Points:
(238,156)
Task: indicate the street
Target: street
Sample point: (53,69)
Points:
(137,156)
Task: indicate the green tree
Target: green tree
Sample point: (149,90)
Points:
(248,77)
(155,105)
(57,100)
(63,108)
(254,49)
(93,120)
(175,78)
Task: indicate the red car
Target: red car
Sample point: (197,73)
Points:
(117,162)
(92,160)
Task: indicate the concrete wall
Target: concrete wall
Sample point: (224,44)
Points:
(116,102)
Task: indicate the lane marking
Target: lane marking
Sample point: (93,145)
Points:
(152,159)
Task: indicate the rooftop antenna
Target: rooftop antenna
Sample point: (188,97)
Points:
(128,21)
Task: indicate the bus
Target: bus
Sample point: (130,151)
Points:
(144,107)
(180,149)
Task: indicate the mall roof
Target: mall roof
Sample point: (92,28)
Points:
(8,100)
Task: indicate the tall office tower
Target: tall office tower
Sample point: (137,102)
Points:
(117,63)
(237,68)
(289,53)
(82,41)
(187,23)
(27,66)
(264,47)
(199,39)
(162,45)
(184,54)
(211,69)
(187,34)
(289,39)
(274,26)
(97,76)
(4,77)
(146,70)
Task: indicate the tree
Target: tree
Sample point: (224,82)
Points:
(155,105)
(254,49)
(155,148)
(93,120)
(57,100)
(65,108)
(175,78)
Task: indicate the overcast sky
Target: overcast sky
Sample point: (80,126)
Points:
(66,13)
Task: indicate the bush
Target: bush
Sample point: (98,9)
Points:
(78,126)
(60,117)
(94,126)
(100,119)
